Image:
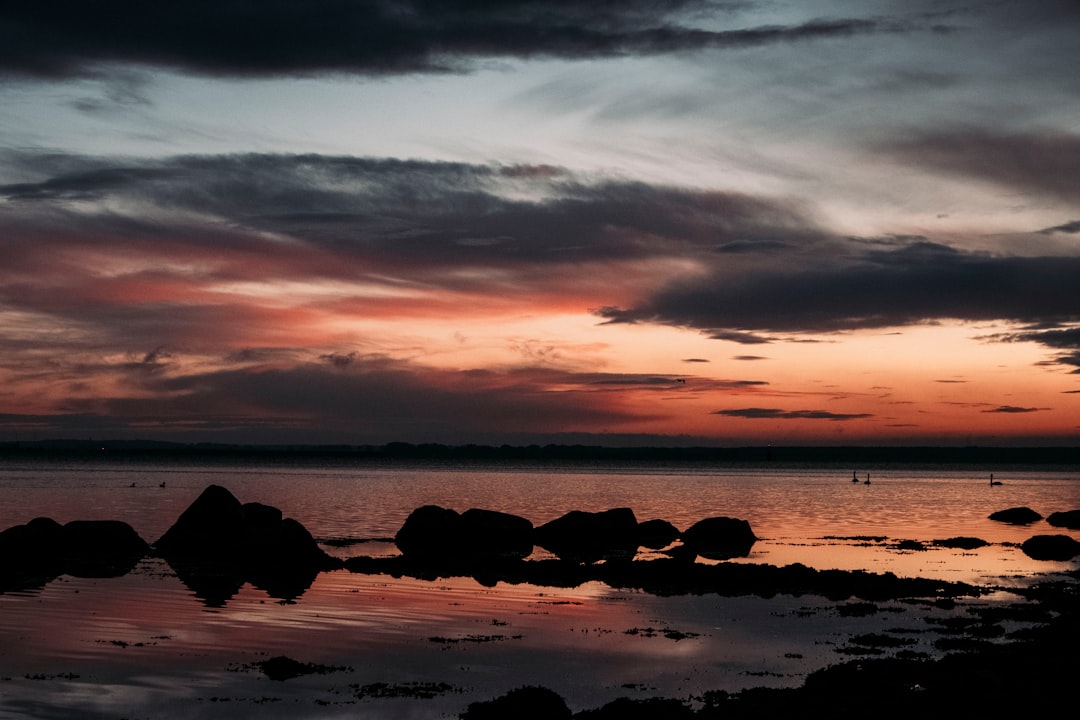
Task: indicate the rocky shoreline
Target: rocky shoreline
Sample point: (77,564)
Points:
(218,544)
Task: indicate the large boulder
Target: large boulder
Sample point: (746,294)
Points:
(490,533)
(43,549)
(1069,519)
(720,538)
(1016,516)
(657,534)
(101,548)
(429,533)
(581,536)
(218,543)
(1051,547)
(441,534)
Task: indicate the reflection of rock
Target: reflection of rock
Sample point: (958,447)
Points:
(1068,519)
(441,534)
(217,544)
(582,536)
(720,538)
(42,549)
(1051,547)
(1016,516)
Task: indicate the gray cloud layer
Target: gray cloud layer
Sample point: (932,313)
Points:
(524,228)
(58,38)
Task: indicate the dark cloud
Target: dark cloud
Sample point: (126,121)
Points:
(399,213)
(695,360)
(749,357)
(1009,409)
(1070,228)
(912,284)
(1039,163)
(59,38)
(1062,339)
(478,229)
(777,414)
(377,400)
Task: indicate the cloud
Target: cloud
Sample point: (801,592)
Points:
(862,286)
(1070,228)
(755,413)
(381,236)
(1066,339)
(1043,163)
(1010,409)
(377,400)
(62,38)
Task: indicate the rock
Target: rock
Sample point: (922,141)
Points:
(43,549)
(211,525)
(489,533)
(657,534)
(101,548)
(963,543)
(581,536)
(720,538)
(1069,519)
(1051,547)
(525,703)
(1016,516)
(442,535)
(218,543)
(429,532)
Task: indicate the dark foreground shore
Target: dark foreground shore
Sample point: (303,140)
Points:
(999,659)
(1032,673)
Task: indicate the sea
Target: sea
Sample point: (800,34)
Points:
(144,645)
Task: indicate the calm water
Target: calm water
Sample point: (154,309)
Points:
(144,646)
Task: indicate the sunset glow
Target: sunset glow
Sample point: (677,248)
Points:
(690,223)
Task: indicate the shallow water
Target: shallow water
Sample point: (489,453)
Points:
(143,645)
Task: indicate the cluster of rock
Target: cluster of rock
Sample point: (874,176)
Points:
(43,549)
(215,546)
(437,534)
(218,543)
(1044,547)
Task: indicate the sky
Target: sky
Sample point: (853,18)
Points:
(721,222)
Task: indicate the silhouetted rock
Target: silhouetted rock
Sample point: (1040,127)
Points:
(1069,519)
(101,548)
(963,543)
(1051,547)
(656,534)
(1016,516)
(489,533)
(442,535)
(42,549)
(526,703)
(218,543)
(581,536)
(720,538)
(213,524)
(430,531)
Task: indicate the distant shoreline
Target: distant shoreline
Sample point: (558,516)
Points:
(852,457)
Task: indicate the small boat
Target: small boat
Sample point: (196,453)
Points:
(993,481)
(867,481)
